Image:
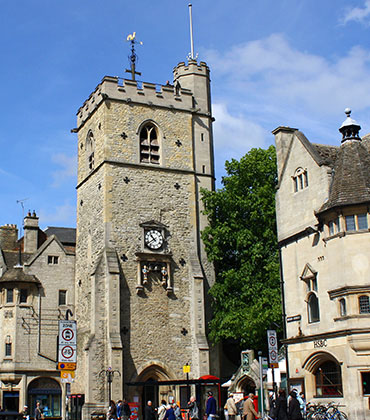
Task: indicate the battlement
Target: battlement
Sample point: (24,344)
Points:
(192,67)
(151,94)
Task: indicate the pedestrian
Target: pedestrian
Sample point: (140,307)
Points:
(170,413)
(177,411)
(125,410)
(25,413)
(149,413)
(112,410)
(38,412)
(248,408)
(232,411)
(193,409)
(294,410)
(211,406)
(119,409)
(281,411)
(302,403)
(161,410)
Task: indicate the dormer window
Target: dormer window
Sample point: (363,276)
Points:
(149,144)
(300,179)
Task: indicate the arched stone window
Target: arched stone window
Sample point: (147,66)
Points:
(149,144)
(8,346)
(364,304)
(313,308)
(49,393)
(90,150)
(328,379)
(300,179)
(343,307)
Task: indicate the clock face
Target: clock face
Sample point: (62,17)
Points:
(153,239)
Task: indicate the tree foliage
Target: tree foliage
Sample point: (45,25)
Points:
(241,240)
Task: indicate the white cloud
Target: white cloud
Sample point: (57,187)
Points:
(273,73)
(64,214)
(68,168)
(357,14)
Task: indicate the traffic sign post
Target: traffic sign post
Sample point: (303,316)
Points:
(273,354)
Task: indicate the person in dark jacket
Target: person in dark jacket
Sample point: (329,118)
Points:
(294,409)
(211,406)
(149,413)
(170,413)
(126,410)
(281,409)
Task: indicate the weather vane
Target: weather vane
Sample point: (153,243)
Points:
(133,57)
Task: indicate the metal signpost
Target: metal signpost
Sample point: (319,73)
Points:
(273,355)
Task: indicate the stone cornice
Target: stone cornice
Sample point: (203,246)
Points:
(348,290)
(325,335)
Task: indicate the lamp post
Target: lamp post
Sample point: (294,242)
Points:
(109,373)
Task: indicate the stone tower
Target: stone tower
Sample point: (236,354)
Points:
(144,153)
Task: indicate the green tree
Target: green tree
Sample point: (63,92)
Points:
(241,240)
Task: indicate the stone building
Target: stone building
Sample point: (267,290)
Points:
(36,290)
(142,276)
(322,204)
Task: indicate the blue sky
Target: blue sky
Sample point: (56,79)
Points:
(296,63)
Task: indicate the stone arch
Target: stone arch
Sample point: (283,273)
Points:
(246,384)
(153,369)
(316,359)
(48,391)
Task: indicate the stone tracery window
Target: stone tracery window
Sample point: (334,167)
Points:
(149,144)
(300,179)
(313,308)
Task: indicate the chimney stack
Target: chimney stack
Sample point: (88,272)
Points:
(8,237)
(31,227)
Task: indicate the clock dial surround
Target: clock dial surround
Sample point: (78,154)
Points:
(153,239)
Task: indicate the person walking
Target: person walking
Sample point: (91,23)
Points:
(38,412)
(211,407)
(170,413)
(112,411)
(193,409)
(248,408)
(161,410)
(294,409)
(119,409)
(281,411)
(149,413)
(232,411)
(126,410)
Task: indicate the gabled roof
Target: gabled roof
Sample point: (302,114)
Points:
(44,246)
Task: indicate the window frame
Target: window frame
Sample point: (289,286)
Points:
(23,293)
(300,179)
(322,385)
(9,293)
(361,311)
(311,319)
(53,259)
(149,144)
(62,297)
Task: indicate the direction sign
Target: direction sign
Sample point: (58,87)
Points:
(273,347)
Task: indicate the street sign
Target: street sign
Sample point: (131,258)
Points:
(67,342)
(273,348)
(265,365)
(67,376)
(66,366)
(186,368)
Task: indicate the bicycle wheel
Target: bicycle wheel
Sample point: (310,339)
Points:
(341,416)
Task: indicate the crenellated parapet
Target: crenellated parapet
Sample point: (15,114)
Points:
(131,91)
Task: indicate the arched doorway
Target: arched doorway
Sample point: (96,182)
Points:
(246,385)
(149,389)
(48,392)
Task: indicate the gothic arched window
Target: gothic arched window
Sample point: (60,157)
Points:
(149,144)
(90,149)
(300,179)
(328,380)
(313,308)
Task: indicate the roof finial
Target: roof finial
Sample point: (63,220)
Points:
(350,128)
(133,57)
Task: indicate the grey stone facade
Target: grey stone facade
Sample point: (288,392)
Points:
(143,311)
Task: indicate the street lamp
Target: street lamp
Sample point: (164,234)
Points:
(109,373)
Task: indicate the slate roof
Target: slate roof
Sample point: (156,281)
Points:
(351,177)
(65,235)
(18,275)
(12,258)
